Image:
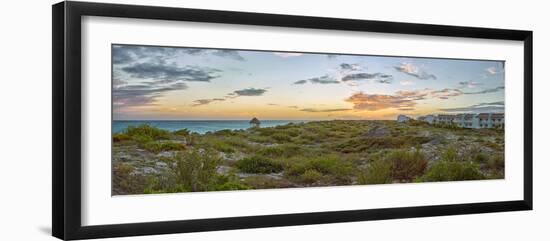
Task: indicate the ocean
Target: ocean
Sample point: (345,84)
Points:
(198,126)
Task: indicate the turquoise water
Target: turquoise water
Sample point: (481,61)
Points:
(198,126)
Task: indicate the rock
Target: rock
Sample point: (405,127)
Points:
(123,157)
(149,170)
(431,152)
(435,141)
(178,141)
(377,131)
(161,164)
(231,157)
(276,176)
(223,170)
(166,154)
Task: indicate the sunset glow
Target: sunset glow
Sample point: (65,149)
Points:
(168,83)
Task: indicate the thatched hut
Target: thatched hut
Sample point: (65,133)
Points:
(255,122)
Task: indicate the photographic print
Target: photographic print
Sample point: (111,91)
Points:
(189,119)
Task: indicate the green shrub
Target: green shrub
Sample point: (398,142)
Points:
(479,157)
(311,176)
(271,151)
(406,165)
(182,132)
(293,132)
(284,150)
(230,186)
(224,132)
(281,137)
(360,144)
(266,131)
(120,137)
(142,139)
(378,172)
(165,183)
(266,182)
(326,164)
(450,155)
(146,131)
(217,144)
(195,170)
(497,162)
(228,183)
(309,138)
(223,147)
(452,171)
(238,142)
(260,139)
(124,181)
(156,146)
(495,146)
(259,164)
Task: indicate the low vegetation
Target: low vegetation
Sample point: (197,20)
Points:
(259,164)
(321,153)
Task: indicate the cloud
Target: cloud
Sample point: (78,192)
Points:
(446,93)
(406,82)
(325,79)
(206,101)
(350,67)
(378,77)
(485,91)
(373,102)
(293,106)
(407,99)
(324,110)
(130,54)
(479,108)
(227,53)
(412,70)
(170,73)
(287,54)
(494,70)
(121,55)
(248,92)
(142,94)
(469,84)
(118,82)
(414,94)
(126,54)
(232,95)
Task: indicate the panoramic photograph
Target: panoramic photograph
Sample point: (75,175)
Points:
(188,119)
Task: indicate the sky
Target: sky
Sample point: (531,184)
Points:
(175,83)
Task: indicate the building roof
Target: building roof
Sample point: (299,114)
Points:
(254,121)
(445,116)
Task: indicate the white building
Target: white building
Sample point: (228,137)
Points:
(444,119)
(482,120)
(491,120)
(403,118)
(427,118)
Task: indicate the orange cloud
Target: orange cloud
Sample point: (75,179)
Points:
(362,101)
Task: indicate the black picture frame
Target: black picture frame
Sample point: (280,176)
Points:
(66,75)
